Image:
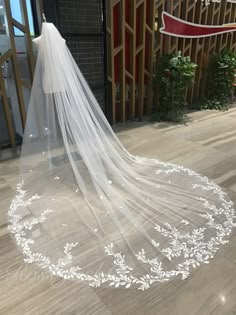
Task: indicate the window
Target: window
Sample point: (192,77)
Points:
(2,21)
(16,14)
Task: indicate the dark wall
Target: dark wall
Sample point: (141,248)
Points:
(80,23)
(81,16)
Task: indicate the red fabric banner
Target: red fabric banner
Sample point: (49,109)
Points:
(176,27)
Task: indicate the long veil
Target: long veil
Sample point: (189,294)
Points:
(87,209)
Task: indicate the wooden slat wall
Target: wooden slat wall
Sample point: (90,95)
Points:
(198,49)
(132,92)
(134,97)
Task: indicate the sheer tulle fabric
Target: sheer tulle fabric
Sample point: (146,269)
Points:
(86,209)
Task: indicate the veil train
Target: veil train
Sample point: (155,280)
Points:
(87,209)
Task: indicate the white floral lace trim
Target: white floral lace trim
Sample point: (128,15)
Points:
(190,246)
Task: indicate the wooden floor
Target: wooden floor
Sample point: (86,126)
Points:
(208,145)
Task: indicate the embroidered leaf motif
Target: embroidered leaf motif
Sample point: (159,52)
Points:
(192,248)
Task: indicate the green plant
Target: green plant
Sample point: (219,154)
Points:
(174,74)
(221,71)
(214,103)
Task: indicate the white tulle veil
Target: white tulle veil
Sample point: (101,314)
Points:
(86,209)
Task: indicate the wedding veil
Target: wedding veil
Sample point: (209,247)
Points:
(87,209)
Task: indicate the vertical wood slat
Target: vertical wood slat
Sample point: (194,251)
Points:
(194,51)
(221,20)
(112,70)
(141,60)
(150,57)
(199,54)
(6,106)
(122,63)
(167,39)
(132,60)
(159,44)
(232,17)
(204,43)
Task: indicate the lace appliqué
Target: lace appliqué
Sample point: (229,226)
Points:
(189,246)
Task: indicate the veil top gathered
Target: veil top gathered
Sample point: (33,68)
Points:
(86,209)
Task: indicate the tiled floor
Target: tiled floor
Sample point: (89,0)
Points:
(208,145)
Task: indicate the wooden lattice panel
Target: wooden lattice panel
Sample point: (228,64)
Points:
(130,38)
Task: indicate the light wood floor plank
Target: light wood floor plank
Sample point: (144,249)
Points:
(208,145)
